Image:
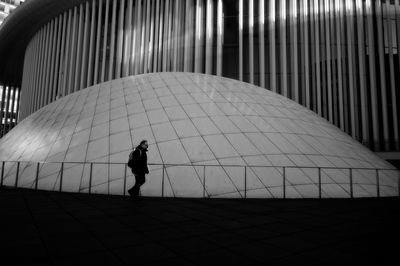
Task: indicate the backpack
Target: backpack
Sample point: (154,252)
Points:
(131,161)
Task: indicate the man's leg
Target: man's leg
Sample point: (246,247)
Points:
(139,181)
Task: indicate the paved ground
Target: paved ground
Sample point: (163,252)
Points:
(50,228)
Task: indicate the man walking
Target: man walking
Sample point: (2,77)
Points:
(138,164)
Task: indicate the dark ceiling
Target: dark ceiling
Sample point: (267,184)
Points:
(18,29)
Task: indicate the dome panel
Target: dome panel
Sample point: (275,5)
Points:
(243,139)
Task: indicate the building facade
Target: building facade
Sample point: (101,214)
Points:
(338,58)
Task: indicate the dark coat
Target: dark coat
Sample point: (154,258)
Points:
(140,161)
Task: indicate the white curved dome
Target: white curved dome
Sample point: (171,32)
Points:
(190,119)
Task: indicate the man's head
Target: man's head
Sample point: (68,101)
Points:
(144,144)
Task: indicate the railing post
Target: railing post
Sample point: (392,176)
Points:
(2,172)
(162,184)
(351,182)
(61,176)
(90,178)
(378,193)
(37,176)
(16,176)
(245,182)
(284,182)
(204,181)
(124,179)
(319,183)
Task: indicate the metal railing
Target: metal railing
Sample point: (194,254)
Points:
(323,182)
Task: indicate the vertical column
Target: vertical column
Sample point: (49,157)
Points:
(323,62)
(361,71)
(152,33)
(294,51)
(78,55)
(2,106)
(28,90)
(25,72)
(198,43)
(158,25)
(112,46)
(35,91)
(328,59)
(338,7)
(32,76)
(351,68)
(9,109)
(127,39)
(120,38)
(283,54)
(261,46)
(50,87)
(317,59)
(169,36)
(241,40)
(389,18)
(47,62)
(220,36)
(38,89)
(143,37)
(83,74)
(381,52)
(333,42)
(3,117)
(12,112)
(7,105)
(138,35)
(345,63)
(29,95)
(95,46)
(43,66)
(181,39)
(305,54)
(146,39)
(397,19)
(61,74)
(313,89)
(372,73)
(18,103)
(175,34)
(73,52)
(103,63)
(272,45)
(251,41)
(186,48)
(160,39)
(209,37)
(134,39)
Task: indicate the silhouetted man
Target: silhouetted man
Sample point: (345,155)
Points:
(138,164)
